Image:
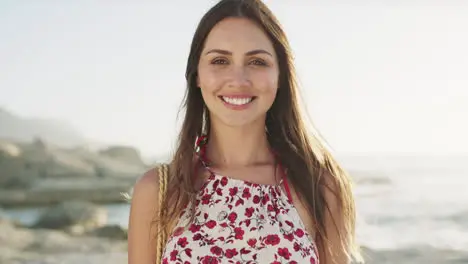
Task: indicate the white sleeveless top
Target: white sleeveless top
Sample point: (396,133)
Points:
(240,222)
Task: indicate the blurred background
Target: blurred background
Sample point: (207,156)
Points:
(90,94)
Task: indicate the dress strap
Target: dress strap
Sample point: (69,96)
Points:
(200,149)
(284,179)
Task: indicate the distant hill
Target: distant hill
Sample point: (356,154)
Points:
(14,127)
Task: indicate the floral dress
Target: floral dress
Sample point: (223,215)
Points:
(241,222)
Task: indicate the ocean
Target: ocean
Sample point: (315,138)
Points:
(409,207)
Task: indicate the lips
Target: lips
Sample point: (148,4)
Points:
(237,102)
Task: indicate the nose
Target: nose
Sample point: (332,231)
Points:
(239,77)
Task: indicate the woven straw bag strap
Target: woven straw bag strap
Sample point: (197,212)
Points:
(163,173)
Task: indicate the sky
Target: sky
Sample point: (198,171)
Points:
(376,76)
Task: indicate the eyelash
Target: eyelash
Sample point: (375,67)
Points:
(257,62)
(216,61)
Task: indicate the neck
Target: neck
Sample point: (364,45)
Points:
(238,146)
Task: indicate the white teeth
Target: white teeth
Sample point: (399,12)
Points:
(237,101)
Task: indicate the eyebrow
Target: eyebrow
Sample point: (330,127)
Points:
(249,53)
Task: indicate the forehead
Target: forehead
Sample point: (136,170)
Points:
(238,34)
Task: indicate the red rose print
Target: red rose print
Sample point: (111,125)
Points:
(210,260)
(289,236)
(246,193)
(174,254)
(206,199)
(256,199)
(272,240)
(197,237)
(251,242)
(313,260)
(299,232)
(297,247)
(270,208)
(230,253)
(232,216)
(265,199)
(216,250)
(194,228)
(182,242)
(239,233)
(239,223)
(224,181)
(244,251)
(284,252)
(233,191)
(211,224)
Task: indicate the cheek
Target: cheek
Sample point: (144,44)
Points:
(208,80)
(267,82)
(208,83)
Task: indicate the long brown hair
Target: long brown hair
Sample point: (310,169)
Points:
(301,151)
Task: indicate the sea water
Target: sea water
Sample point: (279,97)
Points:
(402,203)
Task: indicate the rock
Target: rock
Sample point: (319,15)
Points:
(53,191)
(110,231)
(123,153)
(16,172)
(9,149)
(40,173)
(23,245)
(12,236)
(73,216)
(56,163)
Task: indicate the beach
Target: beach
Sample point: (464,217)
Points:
(405,216)
(25,246)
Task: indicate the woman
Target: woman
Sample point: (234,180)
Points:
(257,188)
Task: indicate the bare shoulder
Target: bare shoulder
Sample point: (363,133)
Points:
(144,200)
(147,184)
(144,205)
(146,190)
(145,195)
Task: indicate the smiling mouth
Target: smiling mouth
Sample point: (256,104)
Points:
(237,100)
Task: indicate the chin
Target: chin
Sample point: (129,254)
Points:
(239,122)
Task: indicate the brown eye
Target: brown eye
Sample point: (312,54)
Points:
(219,61)
(258,62)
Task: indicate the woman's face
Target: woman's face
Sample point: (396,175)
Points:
(238,73)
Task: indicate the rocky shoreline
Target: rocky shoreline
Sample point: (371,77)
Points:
(70,232)
(38,173)
(92,190)
(95,242)
(70,182)
(21,245)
